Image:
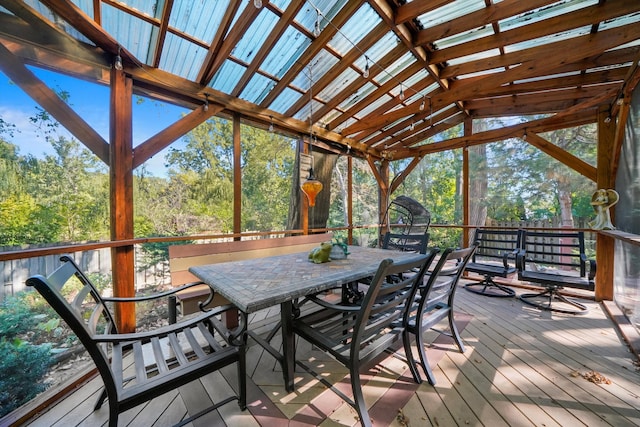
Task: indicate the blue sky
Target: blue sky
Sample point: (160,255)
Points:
(88,100)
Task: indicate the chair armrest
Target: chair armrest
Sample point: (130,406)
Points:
(521,259)
(153,296)
(592,269)
(511,254)
(229,336)
(336,307)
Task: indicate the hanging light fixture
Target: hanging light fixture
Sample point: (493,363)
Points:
(311,186)
(118,62)
(365,74)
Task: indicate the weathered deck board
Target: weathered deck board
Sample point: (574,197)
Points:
(520,368)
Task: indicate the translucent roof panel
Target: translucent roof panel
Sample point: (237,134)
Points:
(186,17)
(467,36)
(361,93)
(317,68)
(285,100)
(398,66)
(450,11)
(132,33)
(339,84)
(540,41)
(546,12)
(257,89)
(355,29)
(146,7)
(286,52)
(227,76)
(255,36)
(475,57)
(618,22)
(86,6)
(309,19)
(182,57)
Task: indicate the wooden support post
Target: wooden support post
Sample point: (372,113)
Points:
(121,180)
(350,199)
(468,131)
(606,179)
(237,177)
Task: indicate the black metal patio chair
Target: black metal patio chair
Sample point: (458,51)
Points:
(433,303)
(163,359)
(356,334)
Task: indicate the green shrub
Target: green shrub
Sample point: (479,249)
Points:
(27,365)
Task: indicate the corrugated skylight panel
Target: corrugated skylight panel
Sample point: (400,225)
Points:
(474,57)
(303,113)
(314,71)
(632,18)
(481,73)
(285,53)
(374,105)
(392,70)
(355,29)
(465,37)
(253,39)
(227,77)
(285,100)
(181,57)
(450,11)
(307,16)
(552,38)
(545,12)
(59,22)
(132,33)
(378,51)
(356,97)
(339,84)
(257,89)
(188,16)
(145,7)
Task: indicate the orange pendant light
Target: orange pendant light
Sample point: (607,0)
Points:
(311,187)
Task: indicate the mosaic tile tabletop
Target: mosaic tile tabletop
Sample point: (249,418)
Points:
(258,283)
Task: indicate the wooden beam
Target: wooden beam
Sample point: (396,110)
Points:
(166,137)
(51,102)
(121,178)
(414,9)
(528,64)
(487,16)
(563,156)
(399,179)
(558,24)
(514,131)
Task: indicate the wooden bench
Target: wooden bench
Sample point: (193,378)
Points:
(494,257)
(181,257)
(555,260)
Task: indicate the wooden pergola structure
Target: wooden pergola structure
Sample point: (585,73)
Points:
(374,79)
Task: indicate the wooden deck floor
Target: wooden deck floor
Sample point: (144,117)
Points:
(521,367)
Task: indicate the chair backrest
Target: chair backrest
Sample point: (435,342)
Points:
(440,286)
(386,301)
(406,242)
(494,244)
(560,251)
(84,311)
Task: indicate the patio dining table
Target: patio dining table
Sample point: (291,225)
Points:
(255,284)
